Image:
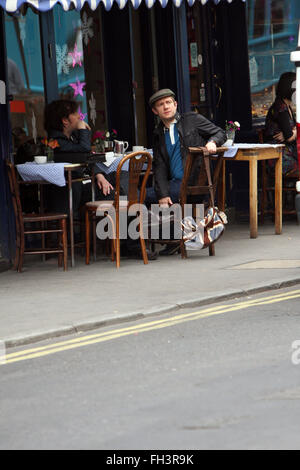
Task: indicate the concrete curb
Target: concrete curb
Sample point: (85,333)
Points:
(156,310)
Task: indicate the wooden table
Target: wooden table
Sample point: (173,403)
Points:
(252,154)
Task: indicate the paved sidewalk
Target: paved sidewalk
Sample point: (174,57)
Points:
(45,302)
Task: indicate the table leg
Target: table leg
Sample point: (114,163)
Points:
(278,195)
(41,191)
(253,196)
(71,217)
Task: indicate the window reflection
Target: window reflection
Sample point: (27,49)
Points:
(79,60)
(272,35)
(25,76)
(69,56)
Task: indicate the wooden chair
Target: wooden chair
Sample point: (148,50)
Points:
(41,219)
(198,163)
(288,186)
(137,161)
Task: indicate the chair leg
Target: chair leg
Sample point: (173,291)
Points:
(94,236)
(113,249)
(142,242)
(18,247)
(60,244)
(183,249)
(21,255)
(211,249)
(117,240)
(118,256)
(87,237)
(17,255)
(65,243)
(144,251)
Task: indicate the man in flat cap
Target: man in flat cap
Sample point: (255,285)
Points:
(171,139)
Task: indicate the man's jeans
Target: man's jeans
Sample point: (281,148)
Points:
(174,191)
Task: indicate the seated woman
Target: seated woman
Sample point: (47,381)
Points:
(280,126)
(63,123)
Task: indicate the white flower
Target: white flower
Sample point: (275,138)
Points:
(107,135)
(86,28)
(237,124)
(62,59)
(93,112)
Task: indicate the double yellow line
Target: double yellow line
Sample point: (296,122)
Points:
(33,353)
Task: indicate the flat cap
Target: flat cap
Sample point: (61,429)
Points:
(158,95)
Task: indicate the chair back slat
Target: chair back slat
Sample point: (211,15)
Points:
(137,162)
(198,165)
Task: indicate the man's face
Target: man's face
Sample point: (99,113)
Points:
(165,108)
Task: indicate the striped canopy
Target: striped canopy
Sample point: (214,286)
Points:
(45,5)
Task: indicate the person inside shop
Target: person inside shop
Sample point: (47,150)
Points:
(172,136)
(73,135)
(280,124)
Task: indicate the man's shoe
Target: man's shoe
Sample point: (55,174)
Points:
(170,249)
(137,254)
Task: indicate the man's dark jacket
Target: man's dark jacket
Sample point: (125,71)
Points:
(194,131)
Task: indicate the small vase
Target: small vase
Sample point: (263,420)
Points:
(99,147)
(230,137)
(50,155)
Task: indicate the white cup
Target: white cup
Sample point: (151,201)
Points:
(40,159)
(138,148)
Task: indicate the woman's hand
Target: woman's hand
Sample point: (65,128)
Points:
(103,184)
(294,136)
(83,125)
(279,137)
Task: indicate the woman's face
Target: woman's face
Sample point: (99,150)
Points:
(71,122)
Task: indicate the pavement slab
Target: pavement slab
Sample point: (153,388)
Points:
(44,302)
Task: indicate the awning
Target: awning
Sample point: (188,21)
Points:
(45,5)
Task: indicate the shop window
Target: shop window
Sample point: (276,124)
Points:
(196,46)
(25,76)
(79,59)
(272,35)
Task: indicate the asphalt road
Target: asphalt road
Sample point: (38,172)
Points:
(225,376)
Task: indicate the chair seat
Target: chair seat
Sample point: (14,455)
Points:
(44,217)
(95,205)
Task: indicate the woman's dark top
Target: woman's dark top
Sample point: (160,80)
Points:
(280,118)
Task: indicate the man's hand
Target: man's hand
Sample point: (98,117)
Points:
(103,184)
(165,202)
(211,147)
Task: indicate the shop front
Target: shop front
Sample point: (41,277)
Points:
(111,56)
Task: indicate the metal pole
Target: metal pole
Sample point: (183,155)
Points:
(132,74)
